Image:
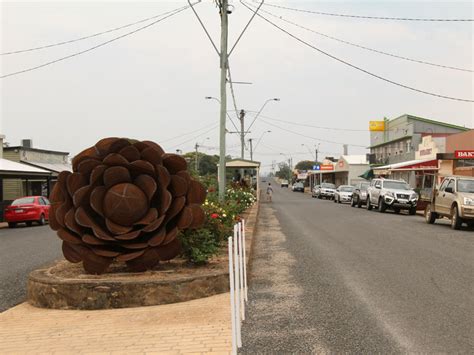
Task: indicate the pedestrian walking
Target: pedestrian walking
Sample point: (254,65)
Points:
(269,192)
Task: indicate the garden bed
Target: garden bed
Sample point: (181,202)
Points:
(67,286)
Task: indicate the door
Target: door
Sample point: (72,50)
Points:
(442,197)
(375,194)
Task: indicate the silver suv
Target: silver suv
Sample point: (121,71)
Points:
(394,194)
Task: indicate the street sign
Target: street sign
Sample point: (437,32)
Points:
(316,167)
(464,154)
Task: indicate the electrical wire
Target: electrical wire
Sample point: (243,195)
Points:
(373,17)
(187,134)
(356,67)
(176,11)
(310,137)
(233,100)
(89,36)
(367,48)
(193,138)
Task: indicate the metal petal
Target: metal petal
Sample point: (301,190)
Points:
(142,167)
(103,146)
(74,182)
(130,153)
(114,159)
(154,225)
(69,237)
(128,236)
(150,217)
(82,196)
(170,236)
(157,238)
(70,253)
(198,216)
(178,186)
(91,240)
(174,163)
(185,218)
(164,177)
(104,252)
(165,200)
(116,175)
(176,207)
(147,261)
(89,153)
(70,222)
(155,146)
(152,155)
(147,184)
(169,251)
(86,166)
(196,193)
(116,228)
(130,256)
(134,245)
(97,199)
(97,174)
(61,212)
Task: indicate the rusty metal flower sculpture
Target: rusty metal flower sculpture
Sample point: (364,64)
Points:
(125,201)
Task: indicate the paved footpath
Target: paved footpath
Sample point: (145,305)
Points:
(198,326)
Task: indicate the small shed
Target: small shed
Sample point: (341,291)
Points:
(246,168)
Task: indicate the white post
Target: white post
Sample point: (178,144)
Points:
(237,290)
(241,273)
(232,297)
(245,261)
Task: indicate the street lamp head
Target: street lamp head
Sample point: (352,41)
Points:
(276,99)
(208,97)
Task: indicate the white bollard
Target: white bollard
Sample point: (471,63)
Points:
(241,272)
(245,261)
(237,287)
(232,298)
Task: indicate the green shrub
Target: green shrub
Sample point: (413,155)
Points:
(199,245)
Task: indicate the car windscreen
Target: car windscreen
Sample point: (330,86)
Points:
(23,201)
(346,189)
(299,184)
(465,185)
(364,186)
(328,186)
(396,185)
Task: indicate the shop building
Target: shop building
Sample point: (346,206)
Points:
(458,158)
(49,161)
(396,141)
(345,171)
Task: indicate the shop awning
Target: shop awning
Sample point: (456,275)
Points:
(367,175)
(13,169)
(52,167)
(431,164)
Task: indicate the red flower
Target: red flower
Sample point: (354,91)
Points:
(214,215)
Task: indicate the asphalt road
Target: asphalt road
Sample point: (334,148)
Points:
(331,278)
(22,250)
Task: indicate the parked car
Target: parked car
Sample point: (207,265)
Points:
(284,183)
(454,199)
(393,194)
(298,187)
(326,191)
(315,188)
(359,195)
(343,194)
(27,210)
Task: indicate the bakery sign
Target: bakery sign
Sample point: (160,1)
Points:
(464,154)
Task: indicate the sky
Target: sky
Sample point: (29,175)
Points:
(152,85)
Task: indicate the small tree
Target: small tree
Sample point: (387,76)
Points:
(284,172)
(305,165)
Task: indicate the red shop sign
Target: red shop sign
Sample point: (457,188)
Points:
(464,154)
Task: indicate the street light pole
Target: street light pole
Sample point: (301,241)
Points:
(261,109)
(242,134)
(223,98)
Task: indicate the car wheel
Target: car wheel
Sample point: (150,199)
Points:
(42,220)
(369,206)
(412,211)
(353,203)
(338,200)
(456,221)
(430,217)
(382,207)
(11,225)
(335,200)
(359,202)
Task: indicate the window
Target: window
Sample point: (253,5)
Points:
(41,201)
(451,184)
(443,185)
(46,201)
(378,184)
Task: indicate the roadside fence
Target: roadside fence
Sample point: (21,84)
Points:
(238,282)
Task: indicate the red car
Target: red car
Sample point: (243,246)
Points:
(27,209)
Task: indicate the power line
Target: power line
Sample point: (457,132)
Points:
(310,137)
(187,134)
(367,48)
(89,36)
(233,100)
(372,17)
(214,126)
(176,11)
(356,67)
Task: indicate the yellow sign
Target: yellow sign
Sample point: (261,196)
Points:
(376,126)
